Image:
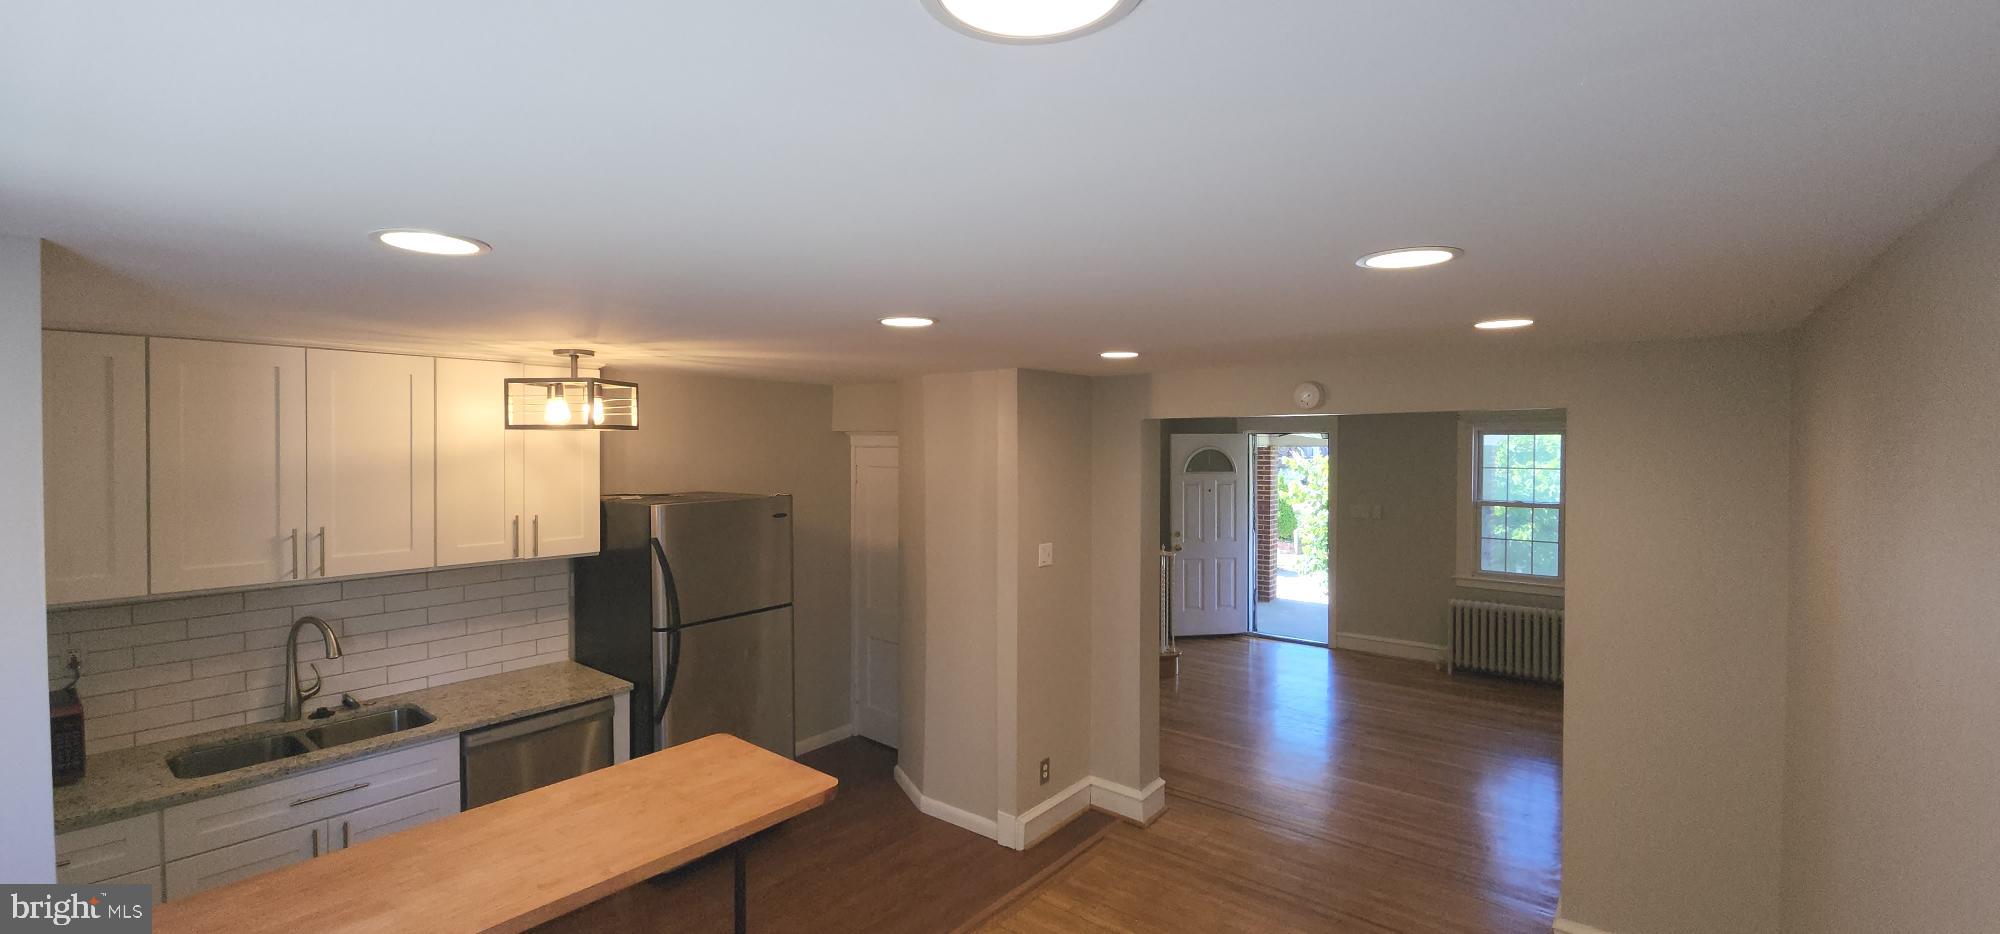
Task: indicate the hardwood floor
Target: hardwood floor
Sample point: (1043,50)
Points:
(866,861)
(1308,790)
(1312,790)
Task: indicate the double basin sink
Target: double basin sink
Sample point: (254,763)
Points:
(228,757)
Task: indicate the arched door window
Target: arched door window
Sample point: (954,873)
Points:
(1209,460)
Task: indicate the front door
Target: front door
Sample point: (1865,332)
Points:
(1211,523)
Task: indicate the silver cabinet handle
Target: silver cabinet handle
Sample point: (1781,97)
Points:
(315,841)
(322,551)
(298,563)
(517,536)
(344,841)
(538,535)
(357,786)
(62,862)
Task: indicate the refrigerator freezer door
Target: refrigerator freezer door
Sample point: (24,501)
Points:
(735,677)
(728,556)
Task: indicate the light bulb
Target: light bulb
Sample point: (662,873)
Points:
(556,412)
(597,411)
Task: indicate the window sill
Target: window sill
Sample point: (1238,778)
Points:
(1510,586)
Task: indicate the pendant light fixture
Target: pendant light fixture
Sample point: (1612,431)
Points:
(572,403)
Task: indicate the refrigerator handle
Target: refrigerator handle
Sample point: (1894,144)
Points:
(667,668)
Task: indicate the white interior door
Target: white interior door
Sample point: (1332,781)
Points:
(371,476)
(877,589)
(1211,516)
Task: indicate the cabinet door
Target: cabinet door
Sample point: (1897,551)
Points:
(479,511)
(392,816)
(562,482)
(94,465)
(228,463)
(371,478)
(97,854)
(207,870)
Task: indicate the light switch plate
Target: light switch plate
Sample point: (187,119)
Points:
(1045,554)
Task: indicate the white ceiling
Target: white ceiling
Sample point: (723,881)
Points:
(749,185)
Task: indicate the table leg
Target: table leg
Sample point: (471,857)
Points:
(742,886)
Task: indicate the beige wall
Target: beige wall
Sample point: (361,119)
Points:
(1674,714)
(27,820)
(873,407)
(1894,681)
(702,432)
(1393,575)
(1124,582)
(911,520)
(1053,666)
(955,606)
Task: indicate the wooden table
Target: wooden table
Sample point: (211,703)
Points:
(516,863)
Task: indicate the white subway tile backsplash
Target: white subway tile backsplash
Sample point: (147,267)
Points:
(188,608)
(289,597)
(170,668)
(439,614)
(422,598)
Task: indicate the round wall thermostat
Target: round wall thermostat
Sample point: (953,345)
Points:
(1308,395)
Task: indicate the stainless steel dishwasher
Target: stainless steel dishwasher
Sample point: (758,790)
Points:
(521,755)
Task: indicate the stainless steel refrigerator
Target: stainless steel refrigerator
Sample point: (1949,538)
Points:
(690,599)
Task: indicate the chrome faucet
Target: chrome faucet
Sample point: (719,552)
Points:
(295,696)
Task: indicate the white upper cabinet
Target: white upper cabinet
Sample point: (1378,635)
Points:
(370,462)
(479,465)
(562,486)
(94,465)
(228,463)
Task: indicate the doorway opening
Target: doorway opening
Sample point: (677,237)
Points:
(1293,554)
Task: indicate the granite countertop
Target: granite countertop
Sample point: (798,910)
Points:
(125,782)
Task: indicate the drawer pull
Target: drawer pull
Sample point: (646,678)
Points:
(357,786)
(62,863)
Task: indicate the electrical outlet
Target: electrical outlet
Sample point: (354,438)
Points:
(1045,771)
(1045,554)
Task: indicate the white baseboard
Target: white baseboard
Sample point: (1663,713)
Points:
(1566,926)
(1045,818)
(1383,645)
(982,826)
(827,738)
(1133,804)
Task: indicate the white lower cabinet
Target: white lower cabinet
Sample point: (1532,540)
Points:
(232,836)
(125,852)
(243,860)
(384,819)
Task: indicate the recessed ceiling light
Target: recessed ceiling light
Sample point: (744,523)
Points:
(908,321)
(1504,324)
(1028,20)
(1409,257)
(1119,354)
(430,241)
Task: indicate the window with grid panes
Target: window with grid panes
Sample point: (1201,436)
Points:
(1518,492)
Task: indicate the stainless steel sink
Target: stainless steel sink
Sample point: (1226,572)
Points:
(227,757)
(368,726)
(243,753)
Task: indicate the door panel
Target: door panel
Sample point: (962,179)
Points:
(94,465)
(1211,518)
(371,476)
(735,677)
(479,471)
(207,870)
(561,486)
(227,461)
(389,817)
(728,556)
(877,562)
